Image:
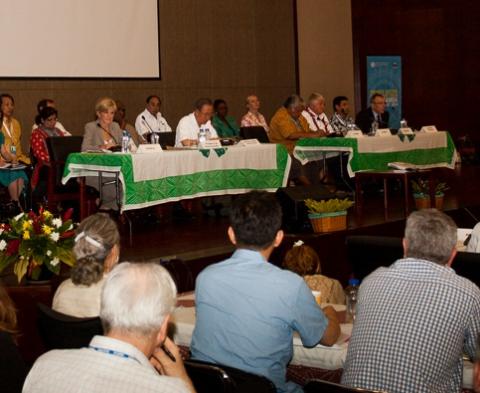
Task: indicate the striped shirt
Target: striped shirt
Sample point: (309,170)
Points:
(414,321)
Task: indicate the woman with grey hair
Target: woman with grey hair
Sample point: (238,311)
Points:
(97,250)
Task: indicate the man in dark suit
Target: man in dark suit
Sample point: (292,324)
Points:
(376,111)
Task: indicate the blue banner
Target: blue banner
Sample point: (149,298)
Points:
(384,76)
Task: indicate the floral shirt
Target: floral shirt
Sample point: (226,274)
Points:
(254,120)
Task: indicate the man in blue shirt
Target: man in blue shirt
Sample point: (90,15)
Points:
(247,309)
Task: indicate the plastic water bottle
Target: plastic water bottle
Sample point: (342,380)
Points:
(374,127)
(403,123)
(351,293)
(125,141)
(202,137)
(208,135)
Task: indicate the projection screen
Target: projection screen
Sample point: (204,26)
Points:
(79,39)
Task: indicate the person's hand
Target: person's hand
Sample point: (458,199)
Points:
(189,142)
(330,312)
(166,366)
(14,159)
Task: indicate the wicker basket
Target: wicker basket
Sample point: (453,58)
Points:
(328,222)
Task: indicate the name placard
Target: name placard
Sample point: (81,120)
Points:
(383,132)
(249,142)
(429,129)
(210,144)
(405,131)
(149,148)
(354,134)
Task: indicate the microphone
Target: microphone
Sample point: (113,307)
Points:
(148,125)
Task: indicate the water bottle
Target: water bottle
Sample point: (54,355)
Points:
(208,135)
(374,127)
(403,123)
(202,137)
(155,138)
(351,293)
(125,141)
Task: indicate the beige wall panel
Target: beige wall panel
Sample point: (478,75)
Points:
(325,50)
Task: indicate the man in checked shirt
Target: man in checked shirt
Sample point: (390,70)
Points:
(416,318)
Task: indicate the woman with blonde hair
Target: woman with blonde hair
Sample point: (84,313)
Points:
(97,250)
(12,370)
(304,261)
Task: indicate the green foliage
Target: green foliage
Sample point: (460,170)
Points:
(328,206)
(422,188)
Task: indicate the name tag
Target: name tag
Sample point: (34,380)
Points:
(405,131)
(383,132)
(249,142)
(210,144)
(354,134)
(429,129)
(149,148)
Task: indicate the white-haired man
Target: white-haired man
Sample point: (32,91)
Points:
(315,115)
(137,299)
(416,318)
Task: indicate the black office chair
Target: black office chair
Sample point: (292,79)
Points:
(367,253)
(60,331)
(256,132)
(209,377)
(319,386)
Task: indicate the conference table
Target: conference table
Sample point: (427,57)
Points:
(149,179)
(373,153)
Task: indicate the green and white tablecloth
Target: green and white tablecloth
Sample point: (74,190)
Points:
(425,150)
(153,178)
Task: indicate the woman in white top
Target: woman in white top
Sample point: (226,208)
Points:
(97,250)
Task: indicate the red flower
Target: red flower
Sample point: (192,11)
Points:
(68,214)
(67,234)
(12,247)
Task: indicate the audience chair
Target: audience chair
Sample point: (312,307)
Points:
(60,331)
(367,253)
(319,386)
(209,377)
(254,133)
(59,148)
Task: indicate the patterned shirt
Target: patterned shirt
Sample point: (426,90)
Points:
(317,123)
(414,321)
(254,120)
(340,123)
(106,366)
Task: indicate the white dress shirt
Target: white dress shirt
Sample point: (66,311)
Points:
(106,366)
(188,128)
(157,124)
(316,122)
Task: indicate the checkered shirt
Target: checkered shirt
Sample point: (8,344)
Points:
(414,321)
(340,124)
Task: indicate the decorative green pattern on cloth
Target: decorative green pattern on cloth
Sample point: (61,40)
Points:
(173,188)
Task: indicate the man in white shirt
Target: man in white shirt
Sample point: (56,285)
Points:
(135,354)
(316,117)
(151,120)
(189,126)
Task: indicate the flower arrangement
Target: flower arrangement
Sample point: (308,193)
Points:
(31,241)
(330,206)
(421,188)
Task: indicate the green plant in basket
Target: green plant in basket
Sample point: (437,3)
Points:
(421,188)
(328,206)
(32,241)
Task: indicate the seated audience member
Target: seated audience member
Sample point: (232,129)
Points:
(12,132)
(12,370)
(474,242)
(132,356)
(189,126)
(46,120)
(341,121)
(375,112)
(151,119)
(47,102)
(103,133)
(14,180)
(253,118)
(247,309)
(225,125)
(287,127)
(96,249)
(304,261)
(124,125)
(416,318)
(315,115)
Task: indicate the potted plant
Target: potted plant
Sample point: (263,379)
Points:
(421,194)
(34,242)
(328,215)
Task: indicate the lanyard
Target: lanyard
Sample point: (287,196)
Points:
(9,130)
(315,121)
(108,132)
(114,353)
